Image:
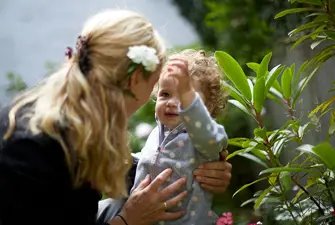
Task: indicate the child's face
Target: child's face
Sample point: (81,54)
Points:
(168,101)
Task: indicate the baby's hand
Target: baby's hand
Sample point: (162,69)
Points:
(178,69)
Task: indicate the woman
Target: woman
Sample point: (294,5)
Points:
(65,140)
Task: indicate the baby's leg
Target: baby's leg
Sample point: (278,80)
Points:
(108,209)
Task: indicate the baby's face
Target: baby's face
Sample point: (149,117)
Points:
(168,101)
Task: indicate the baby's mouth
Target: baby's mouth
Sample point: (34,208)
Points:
(171,114)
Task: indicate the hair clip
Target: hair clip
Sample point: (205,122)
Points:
(68,53)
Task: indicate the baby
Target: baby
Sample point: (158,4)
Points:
(189,96)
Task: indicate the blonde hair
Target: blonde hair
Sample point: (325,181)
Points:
(204,69)
(90,107)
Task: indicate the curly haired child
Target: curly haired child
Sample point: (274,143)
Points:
(189,96)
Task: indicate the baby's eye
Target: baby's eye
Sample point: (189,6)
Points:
(165,94)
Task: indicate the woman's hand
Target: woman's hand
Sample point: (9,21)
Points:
(147,204)
(214,176)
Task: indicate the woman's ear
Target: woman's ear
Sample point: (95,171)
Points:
(135,79)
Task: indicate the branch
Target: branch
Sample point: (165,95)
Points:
(307,193)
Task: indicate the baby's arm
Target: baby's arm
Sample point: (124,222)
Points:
(208,137)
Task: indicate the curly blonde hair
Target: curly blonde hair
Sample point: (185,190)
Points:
(90,107)
(205,71)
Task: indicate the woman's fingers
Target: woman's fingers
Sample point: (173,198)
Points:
(217,165)
(172,215)
(215,190)
(144,183)
(173,202)
(160,180)
(210,181)
(172,188)
(223,155)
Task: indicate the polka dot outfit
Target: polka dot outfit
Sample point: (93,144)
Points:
(196,140)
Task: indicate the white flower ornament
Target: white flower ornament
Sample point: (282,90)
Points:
(143,55)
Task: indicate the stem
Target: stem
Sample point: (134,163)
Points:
(330,193)
(288,207)
(258,118)
(273,159)
(290,109)
(290,211)
(307,193)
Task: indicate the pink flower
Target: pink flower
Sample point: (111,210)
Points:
(225,219)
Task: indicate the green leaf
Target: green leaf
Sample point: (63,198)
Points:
(326,153)
(292,68)
(291,11)
(272,179)
(259,97)
(234,72)
(305,26)
(264,66)
(248,202)
(251,86)
(301,69)
(275,99)
(248,185)
(231,155)
(276,93)
(254,66)
(285,180)
(312,2)
(331,129)
(260,132)
(286,80)
(259,201)
(297,95)
(240,106)
(276,86)
(234,93)
(316,43)
(288,169)
(273,75)
(254,158)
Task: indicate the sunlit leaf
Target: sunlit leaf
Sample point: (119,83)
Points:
(254,158)
(326,153)
(312,2)
(291,11)
(316,43)
(264,66)
(273,75)
(252,200)
(231,155)
(286,83)
(234,72)
(234,93)
(285,180)
(254,66)
(305,26)
(258,94)
(259,201)
(251,86)
(288,169)
(240,106)
(297,95)
(248,185)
